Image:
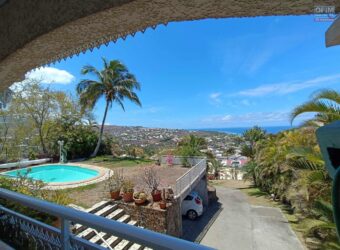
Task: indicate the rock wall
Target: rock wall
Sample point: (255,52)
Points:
(150,216)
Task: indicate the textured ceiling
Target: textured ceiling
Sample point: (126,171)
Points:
(35,32)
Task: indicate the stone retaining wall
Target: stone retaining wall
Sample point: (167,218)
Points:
(150,216)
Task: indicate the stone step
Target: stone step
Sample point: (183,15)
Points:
(123,245)
(98,206)
(114,240)
(78,228)
(95,208)
(109,211)
(135,246)
(88,233)
(98,237)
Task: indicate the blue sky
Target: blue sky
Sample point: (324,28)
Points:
(215,73)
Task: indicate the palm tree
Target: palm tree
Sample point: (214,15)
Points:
(114,83)
(326,105)
(192,145)
(254,135)
(216,166)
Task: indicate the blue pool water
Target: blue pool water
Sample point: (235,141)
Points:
(56,173)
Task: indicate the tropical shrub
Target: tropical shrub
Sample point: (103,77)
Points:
(24,185)
(289,166)
(190,146)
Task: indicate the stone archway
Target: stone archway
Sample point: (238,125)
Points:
(35,33)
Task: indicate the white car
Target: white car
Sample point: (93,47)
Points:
(192,206)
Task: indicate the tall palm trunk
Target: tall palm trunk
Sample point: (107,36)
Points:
(101,131)
(42,141)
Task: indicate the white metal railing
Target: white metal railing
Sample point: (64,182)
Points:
(24,163)
(186,182)
(94,230)
(64,239)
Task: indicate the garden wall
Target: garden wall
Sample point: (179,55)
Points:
(150,216)
(178,160)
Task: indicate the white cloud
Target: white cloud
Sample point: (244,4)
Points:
(289,87)
(226,118)
(50,75)
(215,97)
(248,118)
(245,102)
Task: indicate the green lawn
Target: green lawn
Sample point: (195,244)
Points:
(108,161)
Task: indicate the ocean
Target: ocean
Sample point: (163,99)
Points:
(239,131)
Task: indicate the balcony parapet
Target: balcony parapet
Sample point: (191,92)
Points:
(64,239)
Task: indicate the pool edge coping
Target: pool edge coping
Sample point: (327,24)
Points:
(103,175)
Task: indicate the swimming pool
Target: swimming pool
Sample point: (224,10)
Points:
(56,173)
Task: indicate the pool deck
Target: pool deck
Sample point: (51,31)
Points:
(103,175)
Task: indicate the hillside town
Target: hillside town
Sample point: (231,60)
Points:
(221,145)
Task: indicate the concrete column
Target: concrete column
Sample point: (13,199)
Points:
(202,190)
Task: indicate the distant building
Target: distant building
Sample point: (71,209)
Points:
(234,161)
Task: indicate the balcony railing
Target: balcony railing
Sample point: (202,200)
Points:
(187,182)
(49,237)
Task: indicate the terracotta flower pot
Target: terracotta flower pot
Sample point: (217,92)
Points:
(57,223)
(115,195)
(156,196)
(162,205)
(128,197)
(139,201)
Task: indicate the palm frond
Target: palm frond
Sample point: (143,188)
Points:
(314,225)
(328,94)
(331,245)
(83,85)
(89,69)
(311,123)
(120,103)
(324,225)
(325,209)
(317,106)
(89,98)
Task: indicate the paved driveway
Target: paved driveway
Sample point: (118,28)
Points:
(241,226)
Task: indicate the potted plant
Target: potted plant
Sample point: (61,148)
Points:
(114,183)
(152,180)
(162,204)
(127,189)
(140,197)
